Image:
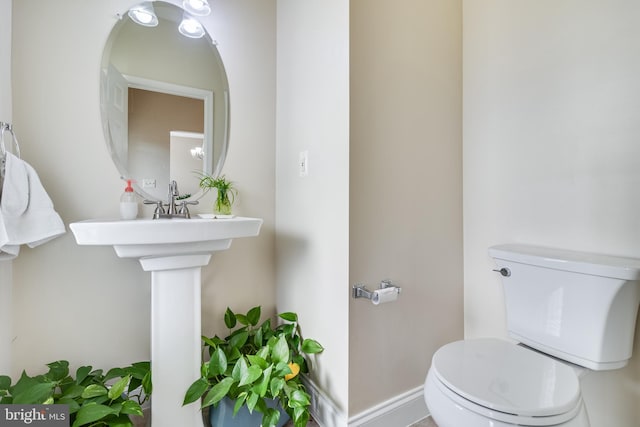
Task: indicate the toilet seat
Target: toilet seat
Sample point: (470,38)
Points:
(503,381)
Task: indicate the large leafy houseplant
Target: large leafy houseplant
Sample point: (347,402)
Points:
(255,363)
(93,397)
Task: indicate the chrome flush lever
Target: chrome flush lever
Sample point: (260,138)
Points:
(504,271)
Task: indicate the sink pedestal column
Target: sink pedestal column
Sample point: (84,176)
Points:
(175,337)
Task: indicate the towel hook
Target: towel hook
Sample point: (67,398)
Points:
(8,127)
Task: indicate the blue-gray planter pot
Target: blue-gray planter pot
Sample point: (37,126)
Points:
(222,415)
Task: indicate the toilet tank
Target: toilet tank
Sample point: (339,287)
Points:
(576,306)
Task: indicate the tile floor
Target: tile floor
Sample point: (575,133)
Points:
(427,422)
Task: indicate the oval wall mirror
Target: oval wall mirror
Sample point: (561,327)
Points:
(164,100)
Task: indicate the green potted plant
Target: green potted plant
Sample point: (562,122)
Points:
(225,189)
(94,398)
(256,364)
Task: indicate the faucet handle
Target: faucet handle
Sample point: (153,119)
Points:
(159,208)
(184,210)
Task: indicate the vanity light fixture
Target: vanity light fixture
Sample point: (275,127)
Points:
(197,7)
(190,27)
(144,15)
(197,153)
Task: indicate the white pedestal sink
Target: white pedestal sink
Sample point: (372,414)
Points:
(174,250)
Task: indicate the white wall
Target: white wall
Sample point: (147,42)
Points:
(406,192)
(84,304)
(5,116)
(551,152)
(312,213)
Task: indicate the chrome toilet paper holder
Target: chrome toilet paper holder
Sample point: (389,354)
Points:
(361,291)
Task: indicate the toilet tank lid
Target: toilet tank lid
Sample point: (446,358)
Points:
(505,377)
(567,260)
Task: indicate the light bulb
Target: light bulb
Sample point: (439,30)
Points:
(197,7)
(144,15)
(190,27)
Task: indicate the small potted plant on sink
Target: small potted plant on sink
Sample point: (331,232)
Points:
(256,368)
(226,192)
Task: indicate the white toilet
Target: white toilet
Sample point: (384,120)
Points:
(570,311)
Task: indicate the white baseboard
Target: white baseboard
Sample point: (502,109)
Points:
(323,410)
(399,411)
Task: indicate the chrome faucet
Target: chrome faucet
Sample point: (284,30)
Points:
(173,211)
(173,193)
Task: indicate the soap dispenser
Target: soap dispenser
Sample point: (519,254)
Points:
(128,203)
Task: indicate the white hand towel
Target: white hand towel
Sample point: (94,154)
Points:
(34,222)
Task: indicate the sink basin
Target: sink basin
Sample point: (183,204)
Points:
(160,237)
(174,251)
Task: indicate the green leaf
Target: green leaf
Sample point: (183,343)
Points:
(82,372)
(73,391)
(238,369)
(239,402)
(250,375)
(209,341)
(5,382)
(118,388)
(261,389)
(218,391)
(310,346)
(147,387)
(270,418)
(252,400)
(238,338)
(37,393)
(131,407)
(92,412)
(288,329)
(276,386)
(58,370)
(195,391)
(257,338)
(300,416)
(289,316)
(71,403)
(253,316)
(299,399)
(242,319)
(139,369)
(244,374)
(25,382)
(257,360)
(114,373)
(94,390)
(280,352)
(266,326)
(229,318)
(263,352)
(217,363)
(121,421)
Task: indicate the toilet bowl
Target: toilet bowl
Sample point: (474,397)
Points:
(552,297)
(495,383)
